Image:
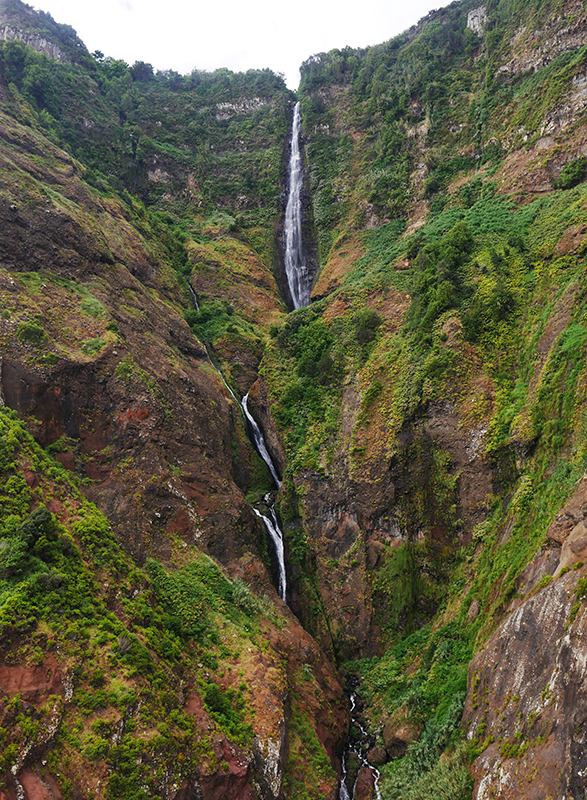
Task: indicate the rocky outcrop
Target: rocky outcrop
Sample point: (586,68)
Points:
(533,48)
(10,32)
(527,704)
(245,106)
(477,20)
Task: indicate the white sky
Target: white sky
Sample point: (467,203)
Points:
(238,34)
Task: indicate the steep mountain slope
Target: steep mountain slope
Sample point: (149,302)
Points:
(427,412)
(132,663)
(431,400)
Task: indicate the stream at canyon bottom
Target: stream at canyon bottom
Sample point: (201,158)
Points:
(359,742)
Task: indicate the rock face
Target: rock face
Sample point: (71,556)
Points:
(355,525)
(36,41)
(477,19)
(527,703)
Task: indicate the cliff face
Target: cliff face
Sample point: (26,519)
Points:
(148,678)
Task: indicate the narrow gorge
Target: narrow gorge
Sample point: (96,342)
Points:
(293,417)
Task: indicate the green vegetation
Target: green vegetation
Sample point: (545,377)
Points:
(52,598)
(572,174)
(308,765)
(32,333)
(422,681)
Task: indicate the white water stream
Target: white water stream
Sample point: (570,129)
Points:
(276,535)
(260,441)
(296,270)
(358,747)
(270,522)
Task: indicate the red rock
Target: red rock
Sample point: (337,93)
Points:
(39,786)
(33,682)
(180,523)
(134,415)
(30,478)
(377,756)
(54,506)
(66,460)
(8,793)
(365,785)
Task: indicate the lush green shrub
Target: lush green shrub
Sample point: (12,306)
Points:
(32,333)
(92,346)
(228,709)
(366,322)
(572,174)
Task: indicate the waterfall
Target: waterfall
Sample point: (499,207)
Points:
(296,270)
(194,295)
(276,535)
(343,792)
(270,522)
(259,441)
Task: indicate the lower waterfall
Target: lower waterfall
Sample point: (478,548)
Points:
(258,441)
(276,535)
(270,522)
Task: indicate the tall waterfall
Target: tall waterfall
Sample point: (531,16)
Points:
(296,269)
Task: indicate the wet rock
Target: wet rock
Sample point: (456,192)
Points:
(365,785)
(377,756)
(397,736)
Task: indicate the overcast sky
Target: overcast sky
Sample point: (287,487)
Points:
(238,34)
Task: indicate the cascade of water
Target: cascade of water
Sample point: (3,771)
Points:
(296,270)
(270,522)
(343,792)
(194,295)
(359,747)
(259,441)
(276,535)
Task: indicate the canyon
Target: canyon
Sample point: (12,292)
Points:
(421,396)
